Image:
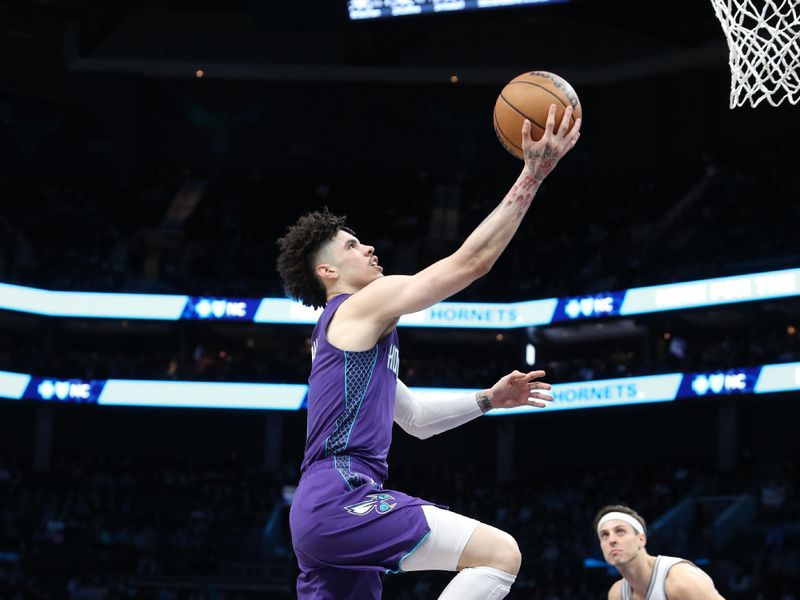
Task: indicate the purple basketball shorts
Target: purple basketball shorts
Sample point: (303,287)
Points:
(347,532)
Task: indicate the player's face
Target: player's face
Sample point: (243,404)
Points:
(619,542)
(356,262)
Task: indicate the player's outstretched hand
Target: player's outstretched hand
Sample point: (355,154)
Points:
(520,389)
(541,157)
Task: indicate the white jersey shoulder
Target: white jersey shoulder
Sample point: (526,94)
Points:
(655,591)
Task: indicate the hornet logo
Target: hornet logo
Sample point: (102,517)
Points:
(380,502)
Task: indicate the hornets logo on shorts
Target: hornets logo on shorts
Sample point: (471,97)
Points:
(380,502)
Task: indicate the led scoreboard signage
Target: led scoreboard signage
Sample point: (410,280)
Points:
(484,315)
(373,9)
(624,391)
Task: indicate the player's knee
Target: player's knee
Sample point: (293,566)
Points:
(506,555)
(491,547)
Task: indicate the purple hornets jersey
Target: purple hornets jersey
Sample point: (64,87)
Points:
(350,401)
(347,530)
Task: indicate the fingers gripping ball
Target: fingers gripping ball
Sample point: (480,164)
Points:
(529,96)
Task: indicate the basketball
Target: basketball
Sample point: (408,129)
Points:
(529,96)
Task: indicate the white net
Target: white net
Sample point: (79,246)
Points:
(764,43)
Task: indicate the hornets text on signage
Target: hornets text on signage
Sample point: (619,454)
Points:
(444,312)
(616,391)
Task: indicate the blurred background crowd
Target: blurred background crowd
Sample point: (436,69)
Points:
(214,233)
(95,524)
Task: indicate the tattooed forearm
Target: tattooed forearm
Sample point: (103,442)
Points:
(495,231)
(521,195)
(483,401)
(528,182)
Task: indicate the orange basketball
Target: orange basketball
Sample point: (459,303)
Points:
(529,96)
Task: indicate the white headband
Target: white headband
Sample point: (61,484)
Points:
(637,527)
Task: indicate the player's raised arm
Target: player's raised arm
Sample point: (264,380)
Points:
(388,298)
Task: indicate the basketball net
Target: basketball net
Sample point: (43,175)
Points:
(764,43)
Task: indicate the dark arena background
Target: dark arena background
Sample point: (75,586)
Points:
(150,443)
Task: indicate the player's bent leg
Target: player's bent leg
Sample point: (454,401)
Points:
(487,557)
(491,547)
(443,547)
(489,566)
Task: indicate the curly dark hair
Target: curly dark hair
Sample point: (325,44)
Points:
(617,508)
(297,250)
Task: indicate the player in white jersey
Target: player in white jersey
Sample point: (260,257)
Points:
(623,536)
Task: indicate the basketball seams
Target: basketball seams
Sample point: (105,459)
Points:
(540,86)
(558,82)
(543,88)
(519,112)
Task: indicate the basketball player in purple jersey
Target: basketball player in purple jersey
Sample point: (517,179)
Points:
(347,529)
